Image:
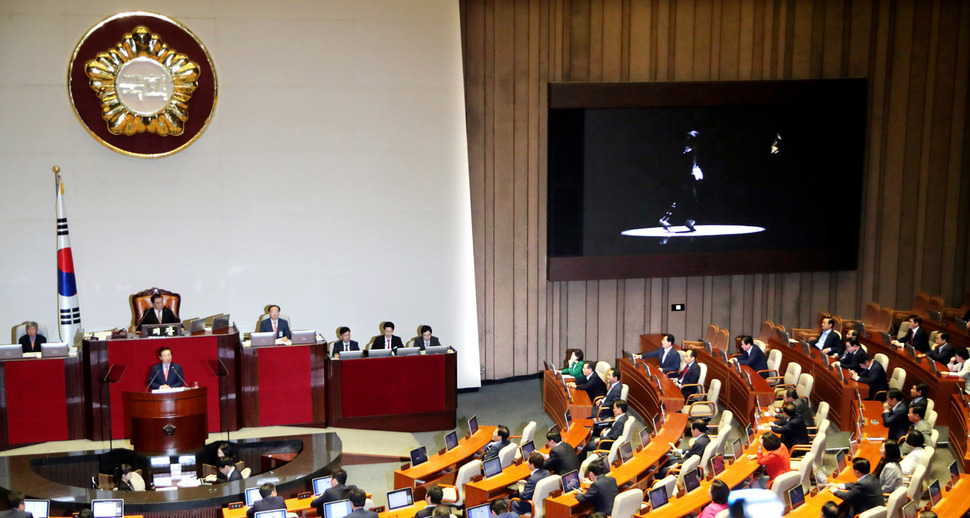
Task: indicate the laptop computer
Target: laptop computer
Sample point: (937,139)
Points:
(108,508)
(38,508)
(252,496)
(337,509)
(304,337)
(276,513)
(479,511)
(451,440)
(419,456)
(321,484)
(399,498)
(492,467)
(570,481)
(796,497)
(262,339)
(53,350)
(12,351)
(658,497)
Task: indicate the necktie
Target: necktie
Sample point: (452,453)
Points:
(682,374)
(387,343)
(165,368)
(274,328)
(158,315)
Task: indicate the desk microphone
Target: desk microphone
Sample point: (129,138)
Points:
(149,387)
(184,384)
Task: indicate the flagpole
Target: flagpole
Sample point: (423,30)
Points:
(69,311)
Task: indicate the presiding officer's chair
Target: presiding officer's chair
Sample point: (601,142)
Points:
(142,301)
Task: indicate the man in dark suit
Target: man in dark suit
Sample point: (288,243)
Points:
(850,359)
(426,339)
(689,376)
(562,455)
(165,374)
(872,374)
(918,392)
(601,492)
(158,313)
(270,502)
(275,324)
(227,467)
(829,337)
(613,393)
(538,473)
(793,430)
(752,356)
(389,340)
(802,408)
(612,432)
(345,343)
(16,502)
(864,494)
(358,498)
(338,486)
(669,358)
(591,382)
(432,500)
(941,351)
(500,439)
(915,336)
(31,341)
(894,415)
(698,430)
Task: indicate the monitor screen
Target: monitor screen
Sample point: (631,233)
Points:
(935,494)
(750,430)
(840,460)
(569,418)
(644,437)
(626,451)
(657,423)
(419,456)
(606,464)
(337,509)
(692,480)
(738,449)
(159,462)
(492,467)
(479,511)
(38,508)
(473,425)
(527,449)
(658,497)
(276,513)
(570,481)
(451,441)
(717,464)
(853,446)
(252,496)
(108,508)
(320,484)
(954,472)
(399,498)
(911,509)
(796,496)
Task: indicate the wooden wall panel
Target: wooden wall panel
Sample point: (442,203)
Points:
(915,225)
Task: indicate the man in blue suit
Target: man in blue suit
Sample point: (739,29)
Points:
(872,374)
(275,324)
(829,338)
(690,375)
(895,417)
(166,374)
(536,460)
(358,498)
(669,358)
(752,356)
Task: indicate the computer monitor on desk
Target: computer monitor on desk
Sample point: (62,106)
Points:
(492,467)
(473,424)
(38,508)
(408,351)
(53,350)
(437,349)
(399,498)
(351,355)
(570,481)
(451,440)
(276,513)
(658,497)
(378,353)
(304,337)
(11,351)
(419,456)
(252,496)
(220,323)
(262,339)
(528,448)
(321,484)
(479,511)
(337,509)
(108,508)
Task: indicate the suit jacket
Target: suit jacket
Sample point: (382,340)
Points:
(837,349)
(593,386)
(530,483)
(157,376)
(920,341)
(427,512)
(700,444)
(41,339)
(492,451)
(831,340)
(331,494)
(562,459)
(875,377)
(792,432)
(338,347)
(862,495)
(617,429)
(923,427)
(851,361)
(270,503)
(282,329)
(754,358)
(380,341)
(600,494)
(805,411)
(15,513)
(148,317)
(362,513)
(942,353)
(234,475)
(896,421)
(669,364)
(612,395)
(419,342)
(691,375)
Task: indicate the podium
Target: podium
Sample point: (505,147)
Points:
(166,423)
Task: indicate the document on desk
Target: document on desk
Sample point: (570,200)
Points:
(168,390)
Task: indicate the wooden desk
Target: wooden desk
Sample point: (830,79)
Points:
(960,430)
(555,400)
(293,505)
(958,337)
(644,396)
(283,385)
(956,501)
(440,466)
(635,472)
(404,512)
(828,387)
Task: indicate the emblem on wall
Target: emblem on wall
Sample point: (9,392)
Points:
(142,84)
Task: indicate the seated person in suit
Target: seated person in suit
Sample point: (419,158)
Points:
(838,349)
(500,508)
(914,443)
(941,350)
(915,418)
(129,479)
(752,356)
(669,358)
(601,492)
(227,468)
(793,430)
(894,414)
(613,432)
(345,343)
(872,374)
(358,499)
(31,341)
(426,339)
(165,374)
(802,406)
(959,367)
(865,493)
(158,314)
(590,382)
(500,439)
(433,499)
(270,502)
(918,393)
(916,336)
(538,473)
(562,456)
(575,364)
(690,375)
(830,510)
(829,337)
(613,393)
(275,324)
(389,340)
(338,486)
(850,358)
(698,430)
(15,501)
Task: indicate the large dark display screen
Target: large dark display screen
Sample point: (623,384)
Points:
(713,178)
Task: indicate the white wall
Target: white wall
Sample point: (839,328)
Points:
(332,181)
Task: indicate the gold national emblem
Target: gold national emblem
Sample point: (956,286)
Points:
(143,85)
